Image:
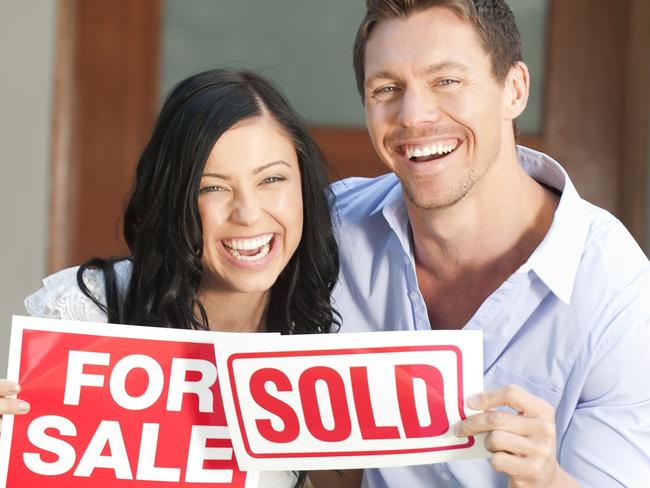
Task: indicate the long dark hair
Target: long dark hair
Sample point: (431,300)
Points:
(162,227)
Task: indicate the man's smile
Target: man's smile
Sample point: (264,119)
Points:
(424,152)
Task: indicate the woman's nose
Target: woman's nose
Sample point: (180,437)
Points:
(246,209)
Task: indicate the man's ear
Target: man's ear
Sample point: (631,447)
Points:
(517,86)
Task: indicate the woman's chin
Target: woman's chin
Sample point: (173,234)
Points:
(256,284)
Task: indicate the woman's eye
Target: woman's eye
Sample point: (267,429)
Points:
(273,179)
(212,188)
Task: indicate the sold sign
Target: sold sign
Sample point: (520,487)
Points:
(315,402)
(116,405)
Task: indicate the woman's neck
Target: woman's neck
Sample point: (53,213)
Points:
(235,311)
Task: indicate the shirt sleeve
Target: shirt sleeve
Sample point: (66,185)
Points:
(607,443)
(61,298)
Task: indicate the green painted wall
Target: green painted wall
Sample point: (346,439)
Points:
(305,46)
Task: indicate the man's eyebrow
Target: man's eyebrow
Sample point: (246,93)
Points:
(430,69)
(381,75)
(256,171)
(434,68)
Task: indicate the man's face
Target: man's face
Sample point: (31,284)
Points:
(435,113)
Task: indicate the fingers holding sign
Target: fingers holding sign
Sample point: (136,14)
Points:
(523,441)
(9,405)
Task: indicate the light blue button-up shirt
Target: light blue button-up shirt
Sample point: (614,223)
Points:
(571,326)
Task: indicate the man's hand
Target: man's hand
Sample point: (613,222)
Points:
(523,442)
(345,478)
(10,405)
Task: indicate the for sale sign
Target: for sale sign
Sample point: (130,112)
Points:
(116,406)
(350,400)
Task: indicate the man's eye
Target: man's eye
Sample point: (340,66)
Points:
(382,93)
(384,90)
(447,82)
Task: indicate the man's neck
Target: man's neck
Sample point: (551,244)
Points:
(464,252)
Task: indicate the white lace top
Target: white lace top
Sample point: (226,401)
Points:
(61,298)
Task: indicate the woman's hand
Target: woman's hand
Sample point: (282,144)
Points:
(523,442)
(12,406)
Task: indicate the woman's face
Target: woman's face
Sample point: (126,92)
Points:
(250,204)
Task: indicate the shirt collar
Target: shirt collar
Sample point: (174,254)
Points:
(395,213)
(555,261)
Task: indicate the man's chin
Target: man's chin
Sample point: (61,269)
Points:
(431,199)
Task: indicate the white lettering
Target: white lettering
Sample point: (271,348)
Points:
(199,452)
(75,377)
(154,386)
(37,436)
(108,434)
(178,385)
(147,469)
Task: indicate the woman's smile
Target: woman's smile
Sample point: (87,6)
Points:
(251,252)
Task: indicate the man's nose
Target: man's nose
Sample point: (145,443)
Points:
(246,209)
(417,107)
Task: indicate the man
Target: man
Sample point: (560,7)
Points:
(471,232)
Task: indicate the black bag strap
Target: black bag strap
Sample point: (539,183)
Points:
(112,307)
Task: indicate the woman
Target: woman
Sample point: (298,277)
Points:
(228,226)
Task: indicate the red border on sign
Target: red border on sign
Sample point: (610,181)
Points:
(339,352)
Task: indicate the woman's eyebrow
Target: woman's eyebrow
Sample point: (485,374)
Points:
(216,175)
(261,168)
(256,171)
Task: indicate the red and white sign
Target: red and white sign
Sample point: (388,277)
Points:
(118,405)
(350,400)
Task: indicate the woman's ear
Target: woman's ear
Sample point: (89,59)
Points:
(517,86)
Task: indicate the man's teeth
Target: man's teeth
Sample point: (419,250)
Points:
(247,244)
(431,150)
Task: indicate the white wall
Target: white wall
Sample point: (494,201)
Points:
(26,62)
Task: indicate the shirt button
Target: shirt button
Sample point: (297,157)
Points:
(445,476)
(414,296)
(406,259)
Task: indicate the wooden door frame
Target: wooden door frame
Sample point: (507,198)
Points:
(106,94)
(104,106)
(635,150)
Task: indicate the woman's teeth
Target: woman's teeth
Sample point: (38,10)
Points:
(263,251)
(249,249)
